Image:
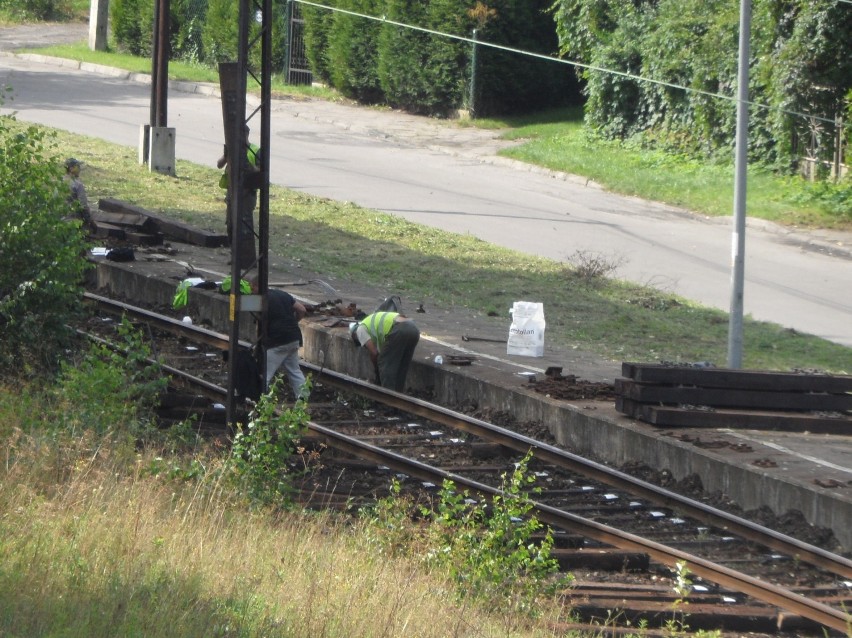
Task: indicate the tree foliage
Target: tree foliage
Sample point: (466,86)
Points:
(41,267)
(132,24)
(800,66)
(318,23)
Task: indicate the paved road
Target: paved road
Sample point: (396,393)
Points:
(435,174)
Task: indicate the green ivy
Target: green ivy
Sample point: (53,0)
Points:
(801,66)
(110,390)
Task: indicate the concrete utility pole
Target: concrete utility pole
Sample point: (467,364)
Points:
(735,325)
(98,22)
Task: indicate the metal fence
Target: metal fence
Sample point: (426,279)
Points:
(298,67)
(821,148)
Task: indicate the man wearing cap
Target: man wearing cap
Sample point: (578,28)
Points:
(77,196)
(390,338)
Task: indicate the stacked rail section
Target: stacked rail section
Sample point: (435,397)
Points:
(696,396)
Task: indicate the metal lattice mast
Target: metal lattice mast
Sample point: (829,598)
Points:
(245,262)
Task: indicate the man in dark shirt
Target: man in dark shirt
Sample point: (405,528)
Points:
(284,337)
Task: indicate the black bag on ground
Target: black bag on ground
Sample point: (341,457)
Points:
(125,253)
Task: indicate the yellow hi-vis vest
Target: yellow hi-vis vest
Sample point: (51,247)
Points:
(253,158)
(379,324)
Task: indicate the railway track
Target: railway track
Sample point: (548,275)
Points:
(745,577)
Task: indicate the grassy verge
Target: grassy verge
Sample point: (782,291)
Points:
(178,70)
(613,319)
(557,140)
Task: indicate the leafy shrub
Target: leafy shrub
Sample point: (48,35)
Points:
(404,57)
(490,551)
(41,267)
(513,83)
(25,10)
(107,390)
(220,35)
(317,25)
(801,70)
(428,73)
(186,27)
(132,23)
(262,450)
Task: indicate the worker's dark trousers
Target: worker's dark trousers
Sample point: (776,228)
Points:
(396,355)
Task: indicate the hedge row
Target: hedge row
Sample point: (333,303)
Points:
(421,71)
(374,61)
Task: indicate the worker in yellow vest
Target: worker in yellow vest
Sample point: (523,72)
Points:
(250,197)
(390,338)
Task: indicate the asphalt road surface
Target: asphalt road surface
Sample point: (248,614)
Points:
(440,176)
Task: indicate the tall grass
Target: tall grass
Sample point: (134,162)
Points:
(95,541)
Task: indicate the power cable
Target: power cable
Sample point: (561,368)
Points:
(550,58)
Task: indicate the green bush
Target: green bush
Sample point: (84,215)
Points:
(41,267)
(428,73)
(404,57)
(25,10)
(132,23)
(105,390)
(352,51)
(510,83)
(421,72)
(490,550)
(263,447)
(220,35)
(187,24)
(800,73)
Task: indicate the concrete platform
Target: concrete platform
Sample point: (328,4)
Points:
(782,471)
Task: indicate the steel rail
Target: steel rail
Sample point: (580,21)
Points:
(205,336)
(717,518)
(712,516)
(208,389)
(760,590)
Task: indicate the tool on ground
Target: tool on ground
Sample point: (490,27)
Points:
(470,338)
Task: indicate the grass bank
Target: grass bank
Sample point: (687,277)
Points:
(586,310)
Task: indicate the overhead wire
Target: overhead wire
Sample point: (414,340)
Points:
(574,63)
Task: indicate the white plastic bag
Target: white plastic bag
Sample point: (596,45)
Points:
(526,334)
